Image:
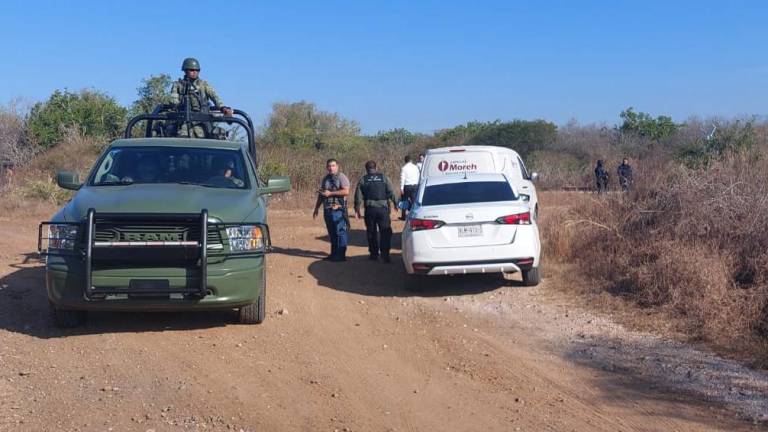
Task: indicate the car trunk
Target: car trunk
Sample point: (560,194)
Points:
(473,226)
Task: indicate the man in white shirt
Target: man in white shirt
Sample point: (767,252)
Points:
(420,163)
(409,183)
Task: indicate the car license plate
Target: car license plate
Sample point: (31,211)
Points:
(471,231)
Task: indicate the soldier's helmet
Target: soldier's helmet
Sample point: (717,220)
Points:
(190,63)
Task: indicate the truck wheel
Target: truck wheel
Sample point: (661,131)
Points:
(67,318)
(255,313)
(531,277)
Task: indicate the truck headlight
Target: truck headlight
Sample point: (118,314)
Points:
(245,238)
(60,237)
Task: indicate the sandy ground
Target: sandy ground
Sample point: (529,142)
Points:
(346,348)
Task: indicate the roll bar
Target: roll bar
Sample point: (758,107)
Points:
(167,113)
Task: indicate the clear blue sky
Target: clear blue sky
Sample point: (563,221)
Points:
(420,65)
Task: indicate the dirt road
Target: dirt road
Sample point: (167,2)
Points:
(346,348)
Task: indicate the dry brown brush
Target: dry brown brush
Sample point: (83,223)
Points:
(691,243)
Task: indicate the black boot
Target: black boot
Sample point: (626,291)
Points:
(334,252)
(341,255)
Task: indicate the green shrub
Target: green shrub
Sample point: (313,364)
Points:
(89,111)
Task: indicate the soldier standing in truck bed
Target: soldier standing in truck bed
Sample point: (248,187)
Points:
(375,192)
(197,93)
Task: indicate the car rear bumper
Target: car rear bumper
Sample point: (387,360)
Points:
(504,266)
(419,257)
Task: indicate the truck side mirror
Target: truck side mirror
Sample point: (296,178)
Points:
(534,176)
(276,185)
(68,180)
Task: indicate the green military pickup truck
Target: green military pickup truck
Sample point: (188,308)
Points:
(161,224)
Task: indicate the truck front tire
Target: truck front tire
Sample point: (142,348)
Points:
(255,313)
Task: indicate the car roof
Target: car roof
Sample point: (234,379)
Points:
(471,148)
(464,178)
(177,142)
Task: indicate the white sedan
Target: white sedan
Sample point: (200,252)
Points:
(470,223)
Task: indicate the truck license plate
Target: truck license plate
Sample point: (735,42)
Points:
(471,231)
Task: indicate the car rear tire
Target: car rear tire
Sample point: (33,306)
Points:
(255,313)
(64,318)
(531,277)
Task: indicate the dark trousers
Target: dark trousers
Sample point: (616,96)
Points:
(409,193)
(602,185)
(337,231)
(378,228)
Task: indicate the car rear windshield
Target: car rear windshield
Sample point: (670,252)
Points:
(220,168)
(467,193)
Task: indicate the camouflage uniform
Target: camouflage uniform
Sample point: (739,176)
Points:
(206,93)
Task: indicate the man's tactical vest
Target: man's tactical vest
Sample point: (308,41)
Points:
(195,96)
(374,187)
(333,183)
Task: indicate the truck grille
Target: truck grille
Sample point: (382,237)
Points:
(109,232)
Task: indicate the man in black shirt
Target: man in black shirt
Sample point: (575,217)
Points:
(375,192)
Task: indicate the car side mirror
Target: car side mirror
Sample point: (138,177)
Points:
(276,185)
(534,176)
(68,180)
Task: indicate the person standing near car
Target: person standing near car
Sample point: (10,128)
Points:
(601,177)
(420,163)
(332,196)
(375,192)
(409,183)
(625,174)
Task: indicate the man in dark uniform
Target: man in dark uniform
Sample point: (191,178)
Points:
(375,192)
(601,177)
(625,174)
(332,196)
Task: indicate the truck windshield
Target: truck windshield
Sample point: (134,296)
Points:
(219,168)
(467,193)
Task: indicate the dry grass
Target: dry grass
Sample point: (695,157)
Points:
(689,243)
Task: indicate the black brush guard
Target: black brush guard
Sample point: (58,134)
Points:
(146,286)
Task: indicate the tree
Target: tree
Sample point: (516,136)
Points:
(398,137)
(153,91)
(459,135)
(642,124)
(303,125)
(522,136)
(91,112)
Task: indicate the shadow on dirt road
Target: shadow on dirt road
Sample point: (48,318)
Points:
(361,276)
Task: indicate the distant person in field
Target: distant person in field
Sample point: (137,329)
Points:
(409,183)
(625,174)
(601,177)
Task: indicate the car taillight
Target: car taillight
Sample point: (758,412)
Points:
(424,224)
(515,219)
